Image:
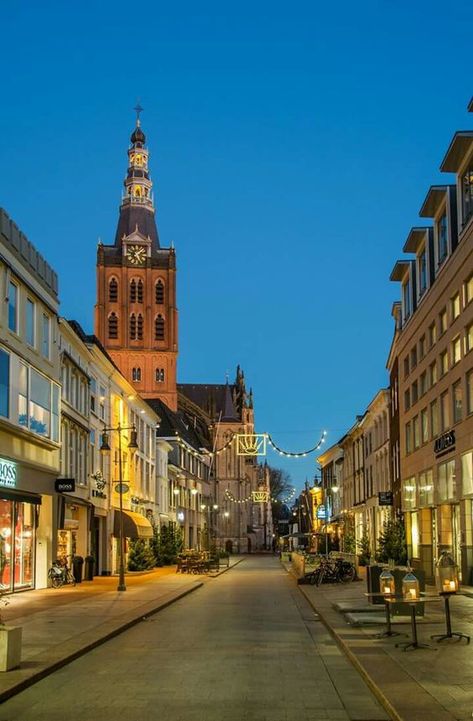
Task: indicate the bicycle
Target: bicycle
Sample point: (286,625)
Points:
(333,571)
(60,574)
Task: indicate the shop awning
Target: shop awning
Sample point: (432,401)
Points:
(23,496)
(134,525)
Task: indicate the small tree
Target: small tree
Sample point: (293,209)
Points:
(167,544)
(364,553)
(140,556)
(348,543)
(392,542)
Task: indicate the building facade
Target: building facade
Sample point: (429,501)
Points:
(433,347)
(29,411)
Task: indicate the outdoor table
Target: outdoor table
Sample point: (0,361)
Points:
(450,633)
(389,631)
(405,645)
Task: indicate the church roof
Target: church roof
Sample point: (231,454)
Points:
(213,398)
(179,424)
(133,217)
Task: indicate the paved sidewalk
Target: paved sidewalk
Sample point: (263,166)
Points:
(432,684)
(60,625)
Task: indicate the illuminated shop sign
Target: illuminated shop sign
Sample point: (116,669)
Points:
(444,443)
(7,473)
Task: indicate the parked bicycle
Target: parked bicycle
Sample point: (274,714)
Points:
(60,574)
(333,570)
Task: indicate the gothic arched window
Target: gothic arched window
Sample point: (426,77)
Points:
(113,291)
(112,326)
(140,291)
(159,375)
(136,374)
(132,326)
(159,328)
(159,292)
(133,291)
(139,327)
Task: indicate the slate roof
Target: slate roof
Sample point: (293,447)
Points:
(132,216)
(213,398)
(190,429)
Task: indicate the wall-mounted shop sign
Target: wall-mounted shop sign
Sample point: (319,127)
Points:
(385,498)
(444,443)
(122,488)
(8,473)
(98,494)
(65,485)
(322,513)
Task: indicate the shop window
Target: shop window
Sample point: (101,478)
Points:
(446,481)
(415,535)
(13,307)
(17,541)
(409,493)
(467,473)
(113,291)
(4,384)
(426,488)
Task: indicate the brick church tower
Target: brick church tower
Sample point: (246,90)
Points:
(136,314)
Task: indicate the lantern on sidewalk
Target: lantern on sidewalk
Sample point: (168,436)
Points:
(446,573)
(386,583)
(410,587)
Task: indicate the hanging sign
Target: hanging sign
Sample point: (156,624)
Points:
(260,496)
(122,488)
(8,473)
(385,498)
(251,444)
(65,485)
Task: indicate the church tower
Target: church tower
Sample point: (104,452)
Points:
(136,314)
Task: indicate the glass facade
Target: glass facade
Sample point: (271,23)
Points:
(17,542)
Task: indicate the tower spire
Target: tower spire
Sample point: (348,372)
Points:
(137,207)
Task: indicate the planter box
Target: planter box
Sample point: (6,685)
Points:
(10,647)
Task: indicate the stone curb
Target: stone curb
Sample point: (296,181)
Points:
(117,628)
(224,570)
(385,703)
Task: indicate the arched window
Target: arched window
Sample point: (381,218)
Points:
(159,328)
(140,291)
(112,326)
(132,326)
(159,292)
(159,375)
(113,291)
(133,291)
(139,327)
(136,374)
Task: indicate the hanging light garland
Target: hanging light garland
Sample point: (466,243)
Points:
(232,498)
(301,454)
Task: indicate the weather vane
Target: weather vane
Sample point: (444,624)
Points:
(138,110)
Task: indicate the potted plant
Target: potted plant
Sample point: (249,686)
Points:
(10,642)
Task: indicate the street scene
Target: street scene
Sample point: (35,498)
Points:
(236,362)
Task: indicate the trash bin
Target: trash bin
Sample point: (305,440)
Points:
(77,563)
(89,568)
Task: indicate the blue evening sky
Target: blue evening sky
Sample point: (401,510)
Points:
(291,148)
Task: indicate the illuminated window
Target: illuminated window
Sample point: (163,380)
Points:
(432,334)
(409,493)
(469,392)
(446,481)
(426,488)
(457,401)
(433,373)
(159,328)
(455,306)
(112,326)
(408,438)
(415,431)
(159,293)
(467,473)
(443,363)
(469,338)
(113,291)
(137,191)
(456,350)
(469,290)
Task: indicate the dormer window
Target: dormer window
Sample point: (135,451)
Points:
(422,271)
(467,193)
(441,232)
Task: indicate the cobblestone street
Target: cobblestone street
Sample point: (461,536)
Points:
(244,647)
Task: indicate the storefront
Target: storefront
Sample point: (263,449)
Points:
(74,523)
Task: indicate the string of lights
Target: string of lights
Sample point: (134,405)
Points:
(232,498)
(301,454)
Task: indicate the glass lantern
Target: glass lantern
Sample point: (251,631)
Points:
(446,574)
(410,587)
(386,583)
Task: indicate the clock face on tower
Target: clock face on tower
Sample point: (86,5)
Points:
(136,254)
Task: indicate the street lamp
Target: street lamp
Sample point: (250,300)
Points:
(105,448)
